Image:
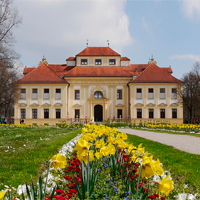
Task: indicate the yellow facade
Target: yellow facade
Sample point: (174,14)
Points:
(90,99)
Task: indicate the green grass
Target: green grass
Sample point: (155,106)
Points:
(24,152)
(184,167)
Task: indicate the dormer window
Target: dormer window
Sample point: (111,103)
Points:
(97,61)
(112,61)
(83,61)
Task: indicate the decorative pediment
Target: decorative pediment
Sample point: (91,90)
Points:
(77,105)
(22,104)
(174,104)
(139,104)
(34,105)
(150,105)
(57,105)
(98,88)
(119,105)
(162,104)
(46,105)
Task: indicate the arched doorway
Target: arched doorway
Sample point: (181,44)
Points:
(98,113)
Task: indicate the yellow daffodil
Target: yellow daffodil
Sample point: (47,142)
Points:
(147,168)
(88,137)
(98,155)
(140,149)
(107,150)
(82,144)
(122,135)
(119,142)
(59,161)
(99,144)
(111,149)
(157,167)
(104,151)
(2,194)
(84,156)
(111,139)
(131,149)
(134,158)
(165,185)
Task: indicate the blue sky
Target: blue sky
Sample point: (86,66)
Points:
(58,29)
(164,29)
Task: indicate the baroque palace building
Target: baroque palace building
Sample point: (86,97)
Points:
(98,85)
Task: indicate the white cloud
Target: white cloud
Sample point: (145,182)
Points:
(191,8)
(186,57)
(59,29)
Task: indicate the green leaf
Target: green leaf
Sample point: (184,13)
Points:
(52,193)
(33,195)
(28,192)
(40,189)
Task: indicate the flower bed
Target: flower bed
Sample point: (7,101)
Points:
(187,128)
(41,126)
(102,166)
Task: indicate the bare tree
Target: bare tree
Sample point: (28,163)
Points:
(9,91)
(190,94)
(9,19)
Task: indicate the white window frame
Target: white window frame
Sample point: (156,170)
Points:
(112,63)
(35,95)
(23,95)
(151,94)
(162,95)
(84,63)
(46,95)
(174,95)
(139,94)
(97,62)
(58,95)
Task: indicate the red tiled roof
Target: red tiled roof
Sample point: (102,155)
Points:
(169,69)
(65,71)
(98,51)
(71,59)
(27,70)
(138,67)
(155,74)
(98,72)
(124,59)
(57,68)
(41,74)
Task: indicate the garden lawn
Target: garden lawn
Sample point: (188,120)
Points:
(24,152)
(184,167)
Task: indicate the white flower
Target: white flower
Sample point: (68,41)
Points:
(165,174)
(191,197)
(156,178)
(182,196)
(22,189)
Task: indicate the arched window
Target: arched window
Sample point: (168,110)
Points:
(98,95)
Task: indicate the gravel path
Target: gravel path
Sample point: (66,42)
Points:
(190,144)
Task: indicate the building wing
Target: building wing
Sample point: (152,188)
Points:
(155,74)
(41,74)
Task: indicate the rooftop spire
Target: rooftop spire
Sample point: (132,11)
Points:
(151,60)
(43,61)
(108,42)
